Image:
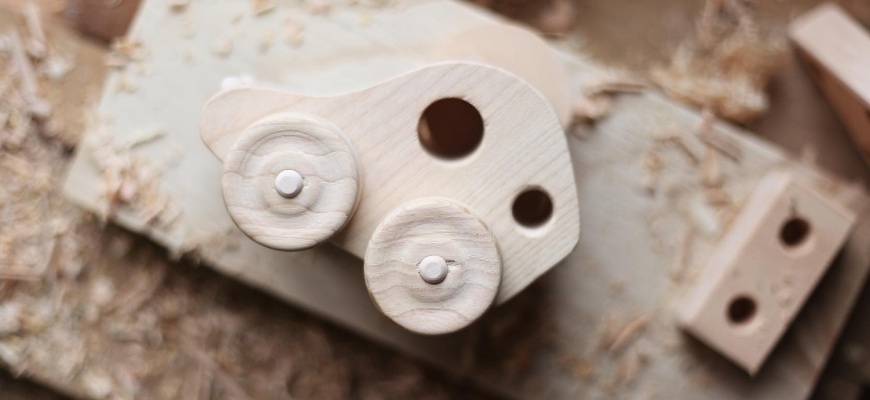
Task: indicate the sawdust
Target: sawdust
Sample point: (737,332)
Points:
(125,51)
(129,181)
(728,64)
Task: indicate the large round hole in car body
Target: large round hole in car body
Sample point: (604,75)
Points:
(450,128)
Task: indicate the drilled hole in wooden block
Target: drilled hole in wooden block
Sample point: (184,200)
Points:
(450,128)
(741,310)
(532,208)
(794,231)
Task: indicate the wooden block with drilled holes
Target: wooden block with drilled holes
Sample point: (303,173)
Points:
(837,51)
(764,269)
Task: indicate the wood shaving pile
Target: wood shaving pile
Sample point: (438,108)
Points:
(728,64)
(129,181)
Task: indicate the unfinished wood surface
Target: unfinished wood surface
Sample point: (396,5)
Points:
(291,181)
(764,268)
(519,51)
(641,197)
(837,50)
(521,147)
(433,266)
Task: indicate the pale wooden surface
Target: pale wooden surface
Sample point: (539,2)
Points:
(768,267)
(523,146)
(312,147)
(421,229)
(837,50)
(520,52)
(561,320)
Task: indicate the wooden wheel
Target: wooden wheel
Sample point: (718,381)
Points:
(291,181)
(432,266)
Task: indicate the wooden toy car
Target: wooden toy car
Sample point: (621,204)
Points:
(453,183)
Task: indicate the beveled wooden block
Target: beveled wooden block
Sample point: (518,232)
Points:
(837,50)
(764,269)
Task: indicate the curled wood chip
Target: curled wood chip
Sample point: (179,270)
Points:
(617,82)
(629,332)
(262,7)
(592,108)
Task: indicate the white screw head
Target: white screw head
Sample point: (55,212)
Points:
(433,269)
(288,183)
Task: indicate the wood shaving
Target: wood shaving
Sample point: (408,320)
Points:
(37,106)
(681,259)
(262,7)
(266,41)
(628,369)
(728,65)
(129,181)
(708,135)
(628,333)
(592,108)
(678,141)
(124,51)
(178,6)
(652,168)
(711,169)
(36,43)
(222,47)
(616,83)
(319,7)
(580,368)
(293,33)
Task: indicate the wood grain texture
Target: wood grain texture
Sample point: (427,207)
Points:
(308,145)
(837,50)
(523,147)
(764,269)
(520,52)
(547,341)
(424,228)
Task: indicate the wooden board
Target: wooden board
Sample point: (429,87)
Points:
(557,337)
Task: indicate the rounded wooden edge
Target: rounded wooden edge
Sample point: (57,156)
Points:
(519,51)
(291,144)
(420,299)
